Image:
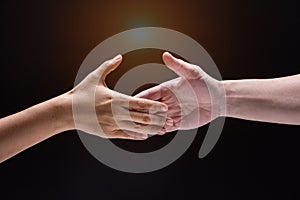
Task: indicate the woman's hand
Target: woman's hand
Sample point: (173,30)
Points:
(118,115)
(90,107)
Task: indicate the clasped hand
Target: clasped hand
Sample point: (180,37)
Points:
(181,103)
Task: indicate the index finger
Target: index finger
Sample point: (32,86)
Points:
(136,103)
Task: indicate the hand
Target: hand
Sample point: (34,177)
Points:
(133,117)
(194,99)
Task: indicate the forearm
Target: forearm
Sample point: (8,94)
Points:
(33,125)
(270,100)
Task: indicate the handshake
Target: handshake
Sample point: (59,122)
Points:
(189,101)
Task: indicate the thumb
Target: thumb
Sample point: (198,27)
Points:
(106,68)
(182,68)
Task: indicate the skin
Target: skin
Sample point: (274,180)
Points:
(191,100)
(35,124)
(194,93)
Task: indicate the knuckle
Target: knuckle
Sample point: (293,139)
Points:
(141,104)
(146,118)
(164,89)
(194,72)
(180,62)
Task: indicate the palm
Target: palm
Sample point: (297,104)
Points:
(187,97)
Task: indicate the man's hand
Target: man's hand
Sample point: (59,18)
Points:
(193,99)
(118,114)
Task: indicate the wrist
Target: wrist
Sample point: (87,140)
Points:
(244,97)
(62,109)
(221,99)
(232,98)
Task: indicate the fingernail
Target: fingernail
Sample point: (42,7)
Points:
(163,108)
(118,57)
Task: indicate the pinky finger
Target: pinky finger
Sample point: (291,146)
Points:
(125,134)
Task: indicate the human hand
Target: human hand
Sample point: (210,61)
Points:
(119,115)
(193,99)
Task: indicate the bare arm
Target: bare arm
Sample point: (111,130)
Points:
(195,98)
(24,129)
(271,100)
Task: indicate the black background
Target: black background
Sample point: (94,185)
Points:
(43,44)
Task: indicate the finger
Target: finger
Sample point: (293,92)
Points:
(135,135)
(138,128)
(173,125)
(120,134)
(108,66)
(170,128)
(146,118)
(181,67)
(145,104)
(162,131)
(154,93)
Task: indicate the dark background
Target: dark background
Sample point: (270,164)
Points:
(43,44)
